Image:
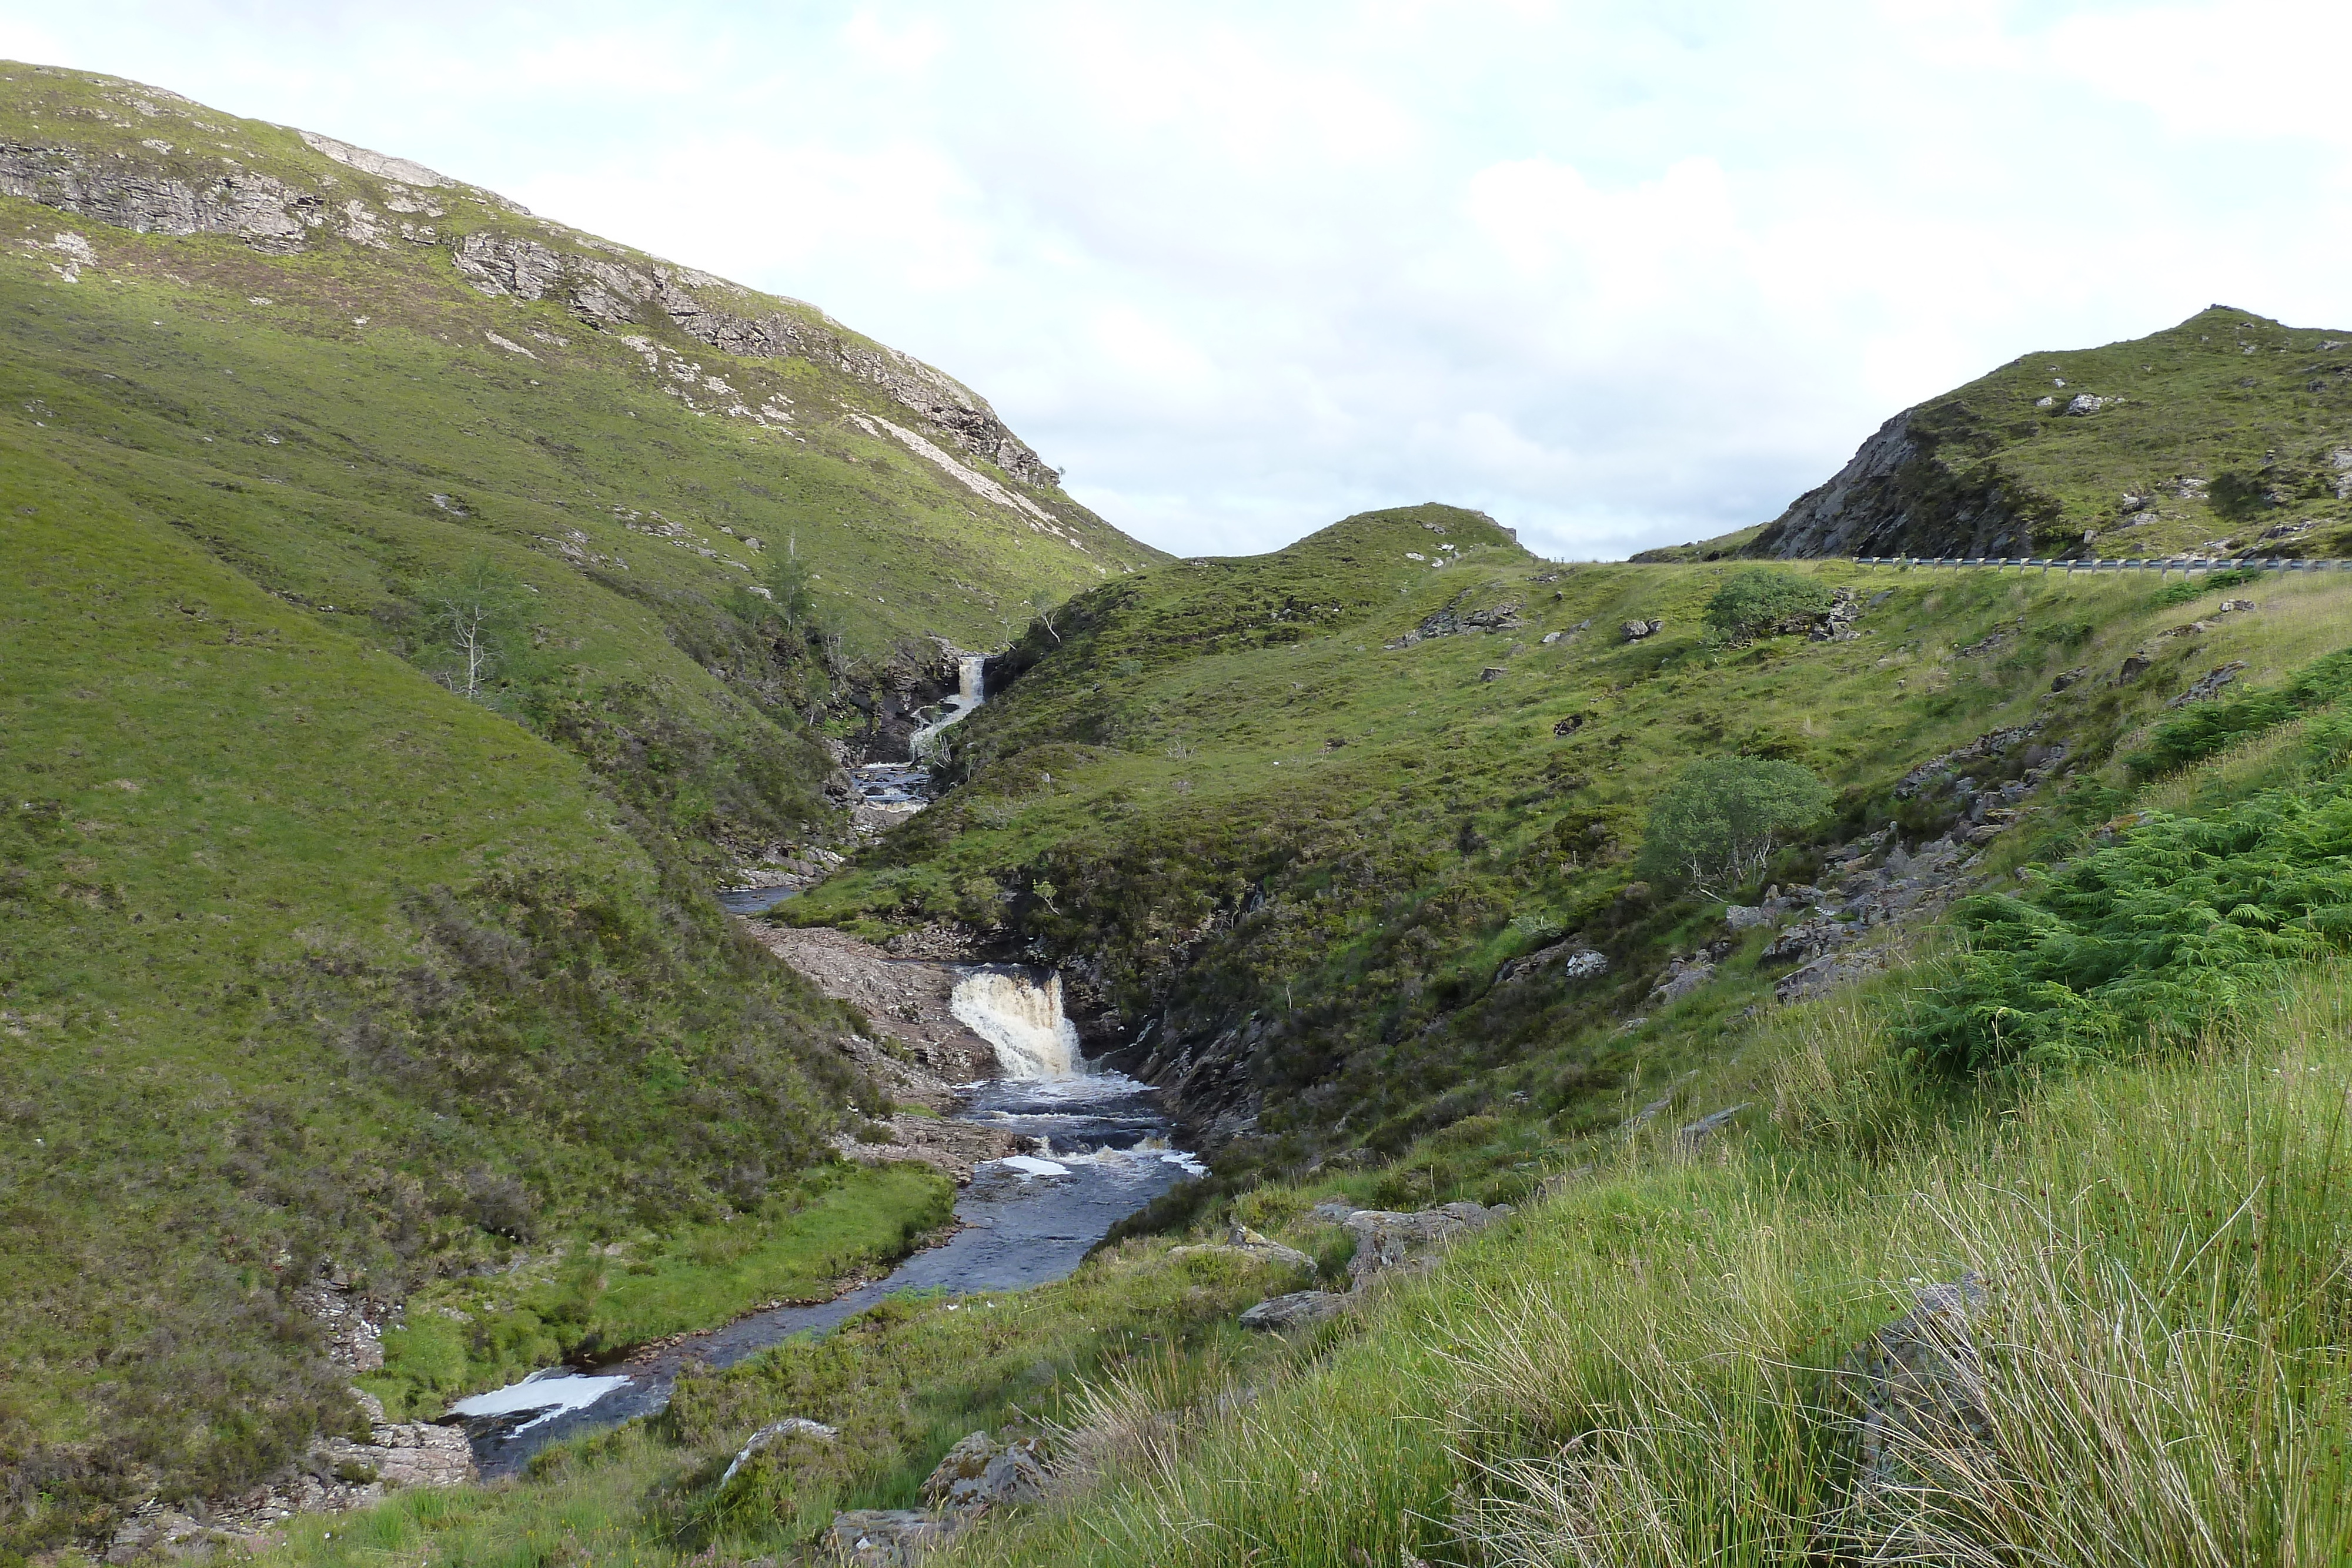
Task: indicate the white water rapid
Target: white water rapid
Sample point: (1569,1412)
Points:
(1021,1019)
(972,676)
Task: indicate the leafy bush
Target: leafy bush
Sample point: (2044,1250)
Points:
(2152,937)
(1720,820)
(1753,603)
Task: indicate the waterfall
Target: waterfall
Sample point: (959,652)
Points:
(1020,1017)
(972,678)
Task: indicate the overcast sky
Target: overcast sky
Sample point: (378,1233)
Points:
(1619,274)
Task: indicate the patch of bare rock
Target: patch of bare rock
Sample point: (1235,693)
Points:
(1387,1243)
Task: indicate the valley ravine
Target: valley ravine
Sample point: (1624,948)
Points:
(1098,1150)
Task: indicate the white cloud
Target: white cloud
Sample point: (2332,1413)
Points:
(1620,273)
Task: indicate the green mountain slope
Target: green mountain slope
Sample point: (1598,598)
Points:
(324,957)
(1286,821)
(2229,434)
(2057,1192)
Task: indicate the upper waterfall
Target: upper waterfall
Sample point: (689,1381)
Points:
(1021,1019)
(972,677)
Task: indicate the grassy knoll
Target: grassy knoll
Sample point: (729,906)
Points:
(1264,827)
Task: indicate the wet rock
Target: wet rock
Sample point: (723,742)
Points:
(1921,1383)
(890,1537)
(1300,1309)
(1387,1242)
(2209,685)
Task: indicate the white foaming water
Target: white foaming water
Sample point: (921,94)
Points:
(1020,1018)
(551,1392)
(972,674)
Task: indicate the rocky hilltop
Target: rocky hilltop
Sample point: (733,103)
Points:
(2228,434)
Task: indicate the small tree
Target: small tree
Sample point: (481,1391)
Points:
(476,618)
(1722,818)
(1753,603)
(1044,603)
(788,584)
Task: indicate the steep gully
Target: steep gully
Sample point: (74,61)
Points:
(1053,1153)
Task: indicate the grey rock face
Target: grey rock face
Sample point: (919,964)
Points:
(376,163)
(267,214)
(1899,496)
(1683,976)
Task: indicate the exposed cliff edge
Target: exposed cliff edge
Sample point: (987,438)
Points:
(1924,483)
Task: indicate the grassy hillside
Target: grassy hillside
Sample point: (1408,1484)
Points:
(1303,852)
(319,956)
(1654,1361)
(2229,434)
(351,412)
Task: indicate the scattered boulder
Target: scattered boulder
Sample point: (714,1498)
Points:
(1570,724)
(2083,403)
(1491,673)
(890,1537)
(1551,637)
(1636,631)
(1576,961)
(2132,669)
(1244,1242)
(2209,685)
(2060,683)
(1388,1242)
(1706,1126)
(980,1472)
(1921,1383)
(1300,1309)
(1683,976)
(1746,917)
(2234,606)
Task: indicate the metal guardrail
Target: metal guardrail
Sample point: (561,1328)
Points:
(2184,565)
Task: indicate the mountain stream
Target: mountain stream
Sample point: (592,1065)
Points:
(1026,1219)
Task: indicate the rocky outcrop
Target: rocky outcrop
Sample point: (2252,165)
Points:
(1920,485)
(612,292)
(978,1476)
(336,1475)
(1387,1243)
(158,198)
